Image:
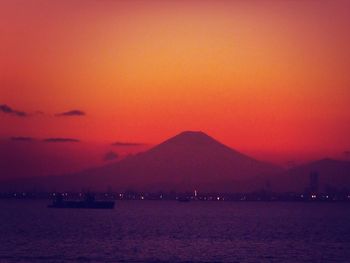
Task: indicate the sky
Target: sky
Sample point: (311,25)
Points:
(268,78)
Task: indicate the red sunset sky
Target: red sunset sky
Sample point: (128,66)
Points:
(268,78)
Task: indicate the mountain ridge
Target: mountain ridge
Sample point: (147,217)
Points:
(192,160)
(188,160)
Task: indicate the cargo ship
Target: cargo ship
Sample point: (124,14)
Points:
(88,202)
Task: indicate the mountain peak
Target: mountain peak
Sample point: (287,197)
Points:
(192,134)
(191,138)
(196,145)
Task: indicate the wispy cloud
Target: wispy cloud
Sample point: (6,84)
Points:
(127,144)
(61,140)
(4,108)
(71,113)
(8,110)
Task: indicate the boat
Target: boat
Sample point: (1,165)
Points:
(88,202)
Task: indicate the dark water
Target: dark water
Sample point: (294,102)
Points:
(166,231)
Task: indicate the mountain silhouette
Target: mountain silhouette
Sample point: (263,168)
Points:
(187,161)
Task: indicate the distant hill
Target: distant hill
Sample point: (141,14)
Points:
(332,174)
(187,161)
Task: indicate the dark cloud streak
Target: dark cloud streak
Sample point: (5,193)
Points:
(71,113)
(54,140)
(8,110)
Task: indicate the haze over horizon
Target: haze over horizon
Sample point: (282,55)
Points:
(86,83)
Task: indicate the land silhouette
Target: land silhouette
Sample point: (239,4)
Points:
(191,160)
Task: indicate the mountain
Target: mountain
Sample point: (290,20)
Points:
(187,161)
(332,174)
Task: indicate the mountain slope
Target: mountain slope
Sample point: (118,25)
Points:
(187,161)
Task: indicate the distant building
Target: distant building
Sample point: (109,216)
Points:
(314,183)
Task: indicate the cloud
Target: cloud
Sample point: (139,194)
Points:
(127,144)
(22,139)
(8,110)
(346,153)
(61,140)
(71,113)
(110,156)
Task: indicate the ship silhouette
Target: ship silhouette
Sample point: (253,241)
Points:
(88,202)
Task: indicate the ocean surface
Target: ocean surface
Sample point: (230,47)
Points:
(169,231)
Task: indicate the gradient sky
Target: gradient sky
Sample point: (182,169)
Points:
(269,78)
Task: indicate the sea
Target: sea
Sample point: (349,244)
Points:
(170,231)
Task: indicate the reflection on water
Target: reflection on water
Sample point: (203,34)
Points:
(166,231)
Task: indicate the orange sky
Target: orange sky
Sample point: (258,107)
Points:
(269,78)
